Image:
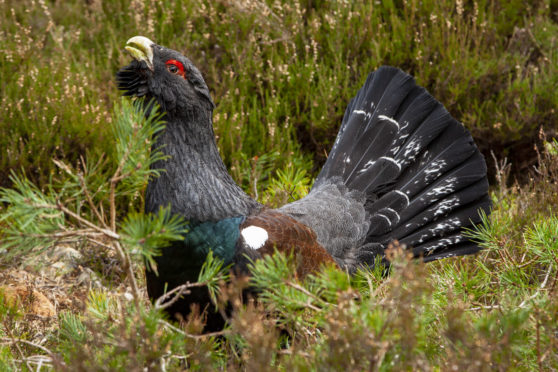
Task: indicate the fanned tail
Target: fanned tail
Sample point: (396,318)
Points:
(423,177)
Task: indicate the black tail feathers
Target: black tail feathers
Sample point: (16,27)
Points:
(423,176)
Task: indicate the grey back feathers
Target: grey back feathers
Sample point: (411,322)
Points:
(401,168)
(337,216)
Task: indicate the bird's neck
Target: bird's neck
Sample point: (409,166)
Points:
(194,180)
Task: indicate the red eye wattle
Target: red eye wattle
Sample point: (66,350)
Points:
(175,67)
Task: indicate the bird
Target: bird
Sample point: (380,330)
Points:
(401,169)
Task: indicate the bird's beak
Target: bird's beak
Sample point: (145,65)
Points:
(140,48)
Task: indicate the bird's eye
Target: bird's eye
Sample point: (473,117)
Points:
(175,67)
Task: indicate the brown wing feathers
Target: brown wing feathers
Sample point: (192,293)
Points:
(287,235)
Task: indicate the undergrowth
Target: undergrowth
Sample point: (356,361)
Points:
(496,310)
(281,74)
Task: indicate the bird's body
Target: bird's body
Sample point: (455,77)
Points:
(401,169)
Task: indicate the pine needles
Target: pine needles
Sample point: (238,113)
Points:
(37,220)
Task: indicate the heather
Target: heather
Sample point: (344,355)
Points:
(281,74)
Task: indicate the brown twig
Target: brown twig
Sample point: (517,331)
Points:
(14,342)
(175,293)
(117,177)
(294,352)
(50,353)
(128,267)
(488,307)
(90,201)
(82,220)
(303,290)
(67,234)
(99,243)
(39,360)
(538,339)
(123,255)
(542,286)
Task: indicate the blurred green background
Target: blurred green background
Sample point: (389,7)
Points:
(281,73)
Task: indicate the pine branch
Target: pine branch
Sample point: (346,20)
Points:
(29,222)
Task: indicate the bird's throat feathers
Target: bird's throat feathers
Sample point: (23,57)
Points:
(195,182)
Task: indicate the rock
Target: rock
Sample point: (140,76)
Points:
(89,278)
(30,300)
(61,261)
(66,254)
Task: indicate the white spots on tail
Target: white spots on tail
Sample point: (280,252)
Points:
(347,160)
(423,237)
(402,134)
(362,112)
(447,225)
(444,227)
(412,149)
(338,138)
(254,236)
(442,243)
(446,205)
(366,166)
(435,167)
(392,161)
(370,163)
(384,217)
(405,125)
(403,194)
(394,213)
(447,187)
(394,150)
(391,120)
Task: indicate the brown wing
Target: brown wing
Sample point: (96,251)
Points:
(288,235)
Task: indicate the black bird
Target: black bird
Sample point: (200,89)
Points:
(402,168)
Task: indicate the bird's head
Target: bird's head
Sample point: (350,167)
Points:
(165,75)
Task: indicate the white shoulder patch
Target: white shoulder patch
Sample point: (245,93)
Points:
(254,236)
